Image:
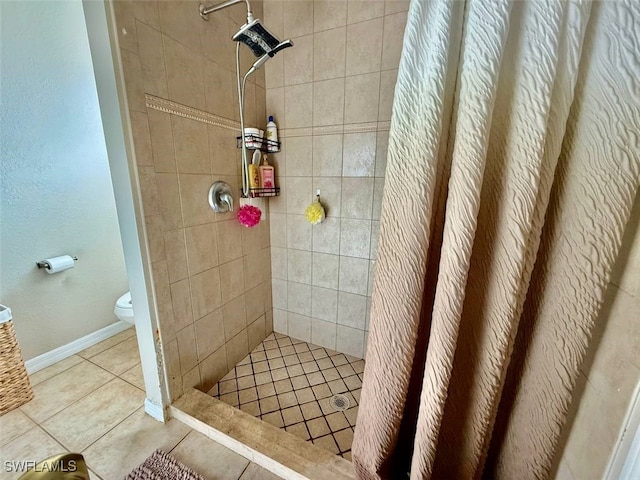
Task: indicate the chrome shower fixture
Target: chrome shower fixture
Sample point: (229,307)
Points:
(264,45)
(255,36)
(253,33)
(262,60)
(205,11)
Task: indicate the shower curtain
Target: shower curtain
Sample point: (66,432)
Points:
(513,162)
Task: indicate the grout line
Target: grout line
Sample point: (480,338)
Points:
(112,428)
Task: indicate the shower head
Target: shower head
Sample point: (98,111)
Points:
(260,40)
(263,59)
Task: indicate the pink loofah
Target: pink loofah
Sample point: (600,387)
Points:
(249,216)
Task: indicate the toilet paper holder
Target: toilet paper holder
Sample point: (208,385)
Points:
(45,264)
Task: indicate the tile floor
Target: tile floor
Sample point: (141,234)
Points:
(289,383)
(91,403)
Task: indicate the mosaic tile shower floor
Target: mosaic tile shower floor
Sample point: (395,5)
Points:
(290,383)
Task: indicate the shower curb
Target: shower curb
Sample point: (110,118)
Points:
(274,449)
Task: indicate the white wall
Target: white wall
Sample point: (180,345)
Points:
(55,189)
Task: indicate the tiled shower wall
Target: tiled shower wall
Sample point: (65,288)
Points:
(211,276)
(331,95)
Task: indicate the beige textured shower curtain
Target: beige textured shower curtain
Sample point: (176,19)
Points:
(514,159)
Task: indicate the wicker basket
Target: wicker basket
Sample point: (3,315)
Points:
(15,388)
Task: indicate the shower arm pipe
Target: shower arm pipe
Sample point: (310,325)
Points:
(205,11)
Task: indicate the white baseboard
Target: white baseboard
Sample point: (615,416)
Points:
(60,353)
(154,410)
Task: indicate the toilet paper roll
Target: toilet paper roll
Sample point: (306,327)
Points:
(59,264)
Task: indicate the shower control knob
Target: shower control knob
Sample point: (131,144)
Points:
(220,197)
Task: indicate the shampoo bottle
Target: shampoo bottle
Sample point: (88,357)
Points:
(267,175)
(254,173)
(272,135)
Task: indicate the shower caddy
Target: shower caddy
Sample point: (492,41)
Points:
(264,46)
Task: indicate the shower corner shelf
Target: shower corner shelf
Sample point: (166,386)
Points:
(258,143)
(264,192)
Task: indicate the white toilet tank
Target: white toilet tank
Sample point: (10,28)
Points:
(124,308)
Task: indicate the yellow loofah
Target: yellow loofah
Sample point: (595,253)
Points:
(315,212)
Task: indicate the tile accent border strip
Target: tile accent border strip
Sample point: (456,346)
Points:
(336,129)
(174,108)
(167,106)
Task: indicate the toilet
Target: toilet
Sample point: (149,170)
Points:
(124,308)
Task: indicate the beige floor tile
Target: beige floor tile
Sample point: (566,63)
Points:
(299,382)
(346,370)
(266,390)
(315,378)
(344,439)
(318,427)
(12,425)
(352,415)
(35,445)
(134,376)
(119,358)
(283,386)
(279,374)
(307,360)
(228,386)
(60,391)
(353,382)
(330,374)
(337,421)
(339,359)
(292,415)
(320,355)
(358,366)
(209,458)
(321,391)
(260,367)
(252,408)
(326,407)
(274,418)
(231,399)
(310,410)
(56,368)
(269,404)
(94,476)
(305,395)
(276,363)
(85,421)
(108,343)
(130,443)
(246,382)
(328,443)
(299,430)
(248,395)
(287,400)
(310,367)
(256,472)
(324,363)
(287,351)
(244,370)
(356,395)
(337,386)
(295,371)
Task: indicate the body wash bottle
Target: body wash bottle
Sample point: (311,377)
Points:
(267,175)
